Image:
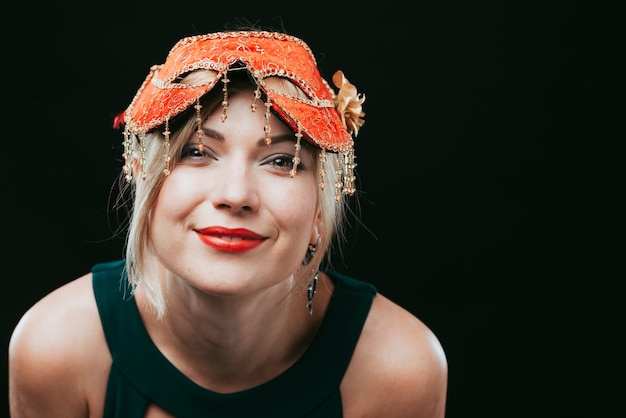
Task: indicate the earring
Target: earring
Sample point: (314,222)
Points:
(310,252)
(312,289)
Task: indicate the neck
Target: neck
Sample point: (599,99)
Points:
(232,343)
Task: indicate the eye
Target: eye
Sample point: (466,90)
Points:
(281,162)
(193,152)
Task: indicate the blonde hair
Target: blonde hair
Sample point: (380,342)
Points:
(141,265)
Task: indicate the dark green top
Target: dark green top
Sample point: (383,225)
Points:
(141,374)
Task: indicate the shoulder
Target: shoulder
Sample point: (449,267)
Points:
(398,369)
(57,352)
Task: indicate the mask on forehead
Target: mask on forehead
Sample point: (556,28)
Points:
(264,54)
(326,119)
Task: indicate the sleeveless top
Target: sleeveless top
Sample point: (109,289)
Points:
(140,374)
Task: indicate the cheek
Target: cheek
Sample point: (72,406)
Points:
(176,197)
(297,207)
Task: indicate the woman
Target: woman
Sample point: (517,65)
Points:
(240,158)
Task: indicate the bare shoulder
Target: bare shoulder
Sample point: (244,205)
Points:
(57,354)
(399,367)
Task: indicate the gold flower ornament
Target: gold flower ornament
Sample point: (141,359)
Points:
(348,103)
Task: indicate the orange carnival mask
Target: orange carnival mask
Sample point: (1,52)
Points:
(326,119)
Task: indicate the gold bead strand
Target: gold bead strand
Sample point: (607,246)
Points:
(338,183)
(128,155)
(142,153)
(199,131)
(268,114)
(296,157)
(225,81)
(257,96)
(322,169)
(349,179)
(166,148)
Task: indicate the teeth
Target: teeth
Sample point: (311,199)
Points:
(229,238)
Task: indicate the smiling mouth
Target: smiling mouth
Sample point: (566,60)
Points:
(229,238)
(229,243)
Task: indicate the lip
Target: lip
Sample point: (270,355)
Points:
(232,240)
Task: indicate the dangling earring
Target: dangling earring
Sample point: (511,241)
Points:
(312,289)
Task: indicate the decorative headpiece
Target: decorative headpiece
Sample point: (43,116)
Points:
(326,119)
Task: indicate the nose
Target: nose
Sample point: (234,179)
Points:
(236,188)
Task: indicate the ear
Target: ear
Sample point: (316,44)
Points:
(136,168)
(137,171)
(317,230)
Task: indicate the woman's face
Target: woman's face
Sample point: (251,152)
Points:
(229,219)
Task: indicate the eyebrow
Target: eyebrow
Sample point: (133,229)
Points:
(212,133)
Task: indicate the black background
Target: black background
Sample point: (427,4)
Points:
(491,172)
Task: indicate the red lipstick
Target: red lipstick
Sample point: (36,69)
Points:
(235,240)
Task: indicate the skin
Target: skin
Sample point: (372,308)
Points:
(233,321)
